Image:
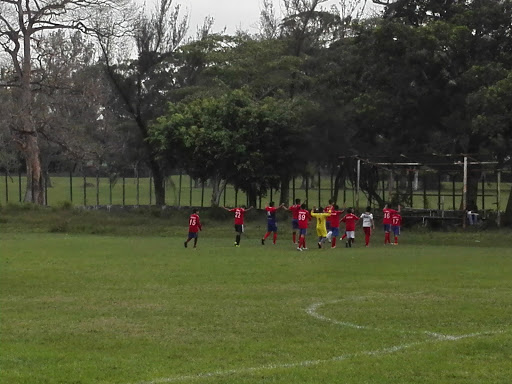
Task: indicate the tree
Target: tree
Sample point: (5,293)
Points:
(23,25)
(234,138)
(143,84)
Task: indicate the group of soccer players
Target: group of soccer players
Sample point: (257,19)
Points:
(328,222)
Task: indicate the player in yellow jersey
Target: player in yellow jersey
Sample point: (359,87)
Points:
(321,229)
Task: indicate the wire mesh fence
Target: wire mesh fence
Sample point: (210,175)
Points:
(419,189)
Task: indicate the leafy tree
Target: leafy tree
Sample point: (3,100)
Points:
(234,138)
(143,84)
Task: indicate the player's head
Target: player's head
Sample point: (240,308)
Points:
(319,209)
(195,210)
(368,209)
(350,210)
(271,204)
(297,201)
(303,206)
(336,208)
(244,206)
(331,202)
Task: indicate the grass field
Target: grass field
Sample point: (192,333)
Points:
(81,308)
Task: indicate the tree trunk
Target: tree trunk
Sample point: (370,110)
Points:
(285,190)
(506,219)
(158,182)
(28,135)
(252,196)
(218,186)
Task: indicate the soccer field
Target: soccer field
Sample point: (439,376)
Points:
(99,309)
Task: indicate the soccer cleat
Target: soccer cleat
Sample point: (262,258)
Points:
(185,244)
(304,249)
(262,241)
(299,249)
(237,245)
(333,247)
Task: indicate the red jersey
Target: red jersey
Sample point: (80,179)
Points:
(350,221)
(239,215)
(295,211)
(396,220)
(304,217)
(194,225)
(335,218)
(329,209)
(387,215)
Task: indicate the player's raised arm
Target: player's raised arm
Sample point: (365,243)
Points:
(248,209)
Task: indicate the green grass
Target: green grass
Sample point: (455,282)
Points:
(120,308)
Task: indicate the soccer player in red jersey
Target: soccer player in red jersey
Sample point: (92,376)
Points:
(294,209)
(194,226)
(303,218)
(335,225)
(350,227)
(396,223)
(386,221)
(271,222)
(239,221)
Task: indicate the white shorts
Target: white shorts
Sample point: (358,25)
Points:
(351,234)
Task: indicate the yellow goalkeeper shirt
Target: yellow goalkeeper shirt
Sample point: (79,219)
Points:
(321,218)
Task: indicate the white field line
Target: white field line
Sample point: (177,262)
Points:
(271,367)
(312,311)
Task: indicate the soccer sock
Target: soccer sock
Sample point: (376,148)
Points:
(266,235)
(275,237)
(294,235)
(344,236)
(387,238)
(367,239)
(333,243)
(301,241)
(238,239)
(195,242)
(396,239)
(329,235)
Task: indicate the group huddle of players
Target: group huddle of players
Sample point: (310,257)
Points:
(328,222)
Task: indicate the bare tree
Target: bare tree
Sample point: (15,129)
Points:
(23,24)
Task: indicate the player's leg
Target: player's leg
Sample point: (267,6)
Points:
(190,237)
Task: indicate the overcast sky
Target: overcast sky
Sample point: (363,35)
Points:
(231,14)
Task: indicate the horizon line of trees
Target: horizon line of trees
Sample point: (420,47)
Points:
(99,80)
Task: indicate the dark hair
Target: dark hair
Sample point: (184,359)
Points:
(271,204)
(368,209)
(195,210)
(350,210)
(336,207)
(297,201)
(319,209)
(331,201)
(303,206)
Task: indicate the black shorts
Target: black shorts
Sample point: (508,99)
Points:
(239,228)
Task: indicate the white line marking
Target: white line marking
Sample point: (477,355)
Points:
(269,367)
(312,311)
